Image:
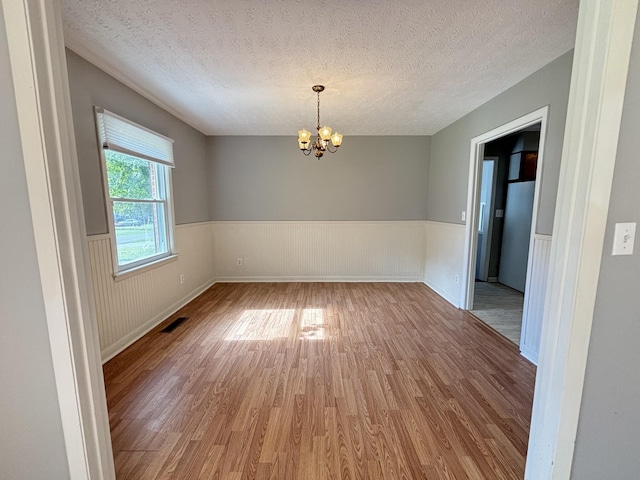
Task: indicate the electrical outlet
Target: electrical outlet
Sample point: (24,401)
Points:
(182,279)
(239,261)
(463,217)
(456,278)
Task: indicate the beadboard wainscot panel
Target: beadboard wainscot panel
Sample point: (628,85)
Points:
(129,308)
(444,259)
(319,251)
(534,298)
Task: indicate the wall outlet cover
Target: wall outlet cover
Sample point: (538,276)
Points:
(624,238)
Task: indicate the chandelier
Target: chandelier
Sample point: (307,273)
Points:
(321,143)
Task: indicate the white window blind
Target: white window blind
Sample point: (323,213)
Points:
(126,137)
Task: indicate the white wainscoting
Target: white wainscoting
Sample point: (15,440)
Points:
(319,251)
(537,274)
(444,259)
(129,308)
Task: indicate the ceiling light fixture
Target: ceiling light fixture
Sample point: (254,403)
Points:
(321,143)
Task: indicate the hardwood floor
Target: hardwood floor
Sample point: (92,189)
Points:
(320,381)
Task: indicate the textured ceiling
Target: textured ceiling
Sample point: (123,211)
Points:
(391,67)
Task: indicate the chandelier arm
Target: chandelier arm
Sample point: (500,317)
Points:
(328,148)
(306,152)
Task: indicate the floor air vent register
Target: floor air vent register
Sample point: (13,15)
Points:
(173,325)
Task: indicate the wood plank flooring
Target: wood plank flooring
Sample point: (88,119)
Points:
(320,381)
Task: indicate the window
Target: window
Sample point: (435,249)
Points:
(137,173)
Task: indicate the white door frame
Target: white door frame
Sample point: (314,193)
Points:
(600,66)
(473,193)
(39,71)
(488,235)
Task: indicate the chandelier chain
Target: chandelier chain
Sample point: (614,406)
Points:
(318,93)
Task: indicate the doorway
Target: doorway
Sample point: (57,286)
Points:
(505,212)
(504,173)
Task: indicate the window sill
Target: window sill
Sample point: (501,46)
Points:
(123,275)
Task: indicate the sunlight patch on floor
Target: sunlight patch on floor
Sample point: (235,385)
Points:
(312,324)
(264,324)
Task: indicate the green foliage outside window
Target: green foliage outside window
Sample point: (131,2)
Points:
(129,178)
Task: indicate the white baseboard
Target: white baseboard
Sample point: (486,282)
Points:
(529,354)
(449,298)
(234,279)
(141,331)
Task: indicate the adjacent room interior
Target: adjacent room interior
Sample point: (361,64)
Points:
(505,214)
(338,305)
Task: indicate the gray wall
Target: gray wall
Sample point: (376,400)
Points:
(31,440)
(449,172)
(91,86)
(369,178)
(608,442)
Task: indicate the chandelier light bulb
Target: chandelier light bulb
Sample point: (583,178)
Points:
(304,136)
(325,133)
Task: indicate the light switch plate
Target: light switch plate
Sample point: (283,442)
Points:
(624,238)
(499,213)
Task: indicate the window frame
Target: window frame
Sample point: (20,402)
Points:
(138,266)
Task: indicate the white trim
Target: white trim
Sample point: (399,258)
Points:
(473,192)
(34,34)
(449,298)
(325,222)
(141,331)
(600,66)
(229,279)
(542,236)
(104,236)
(194,224)
(444,224)
(145,267)
(527,352)
(100,236)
